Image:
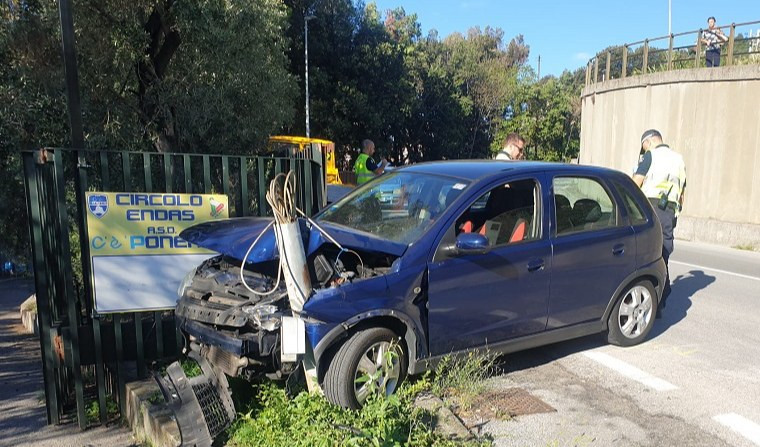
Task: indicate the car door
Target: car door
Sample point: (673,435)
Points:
(487,298)
(594,250)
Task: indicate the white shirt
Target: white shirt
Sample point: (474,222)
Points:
(503,155)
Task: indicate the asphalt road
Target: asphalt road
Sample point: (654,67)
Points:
(22,405)
(695,381)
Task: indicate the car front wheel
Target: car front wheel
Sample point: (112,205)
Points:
(371,361)
(633,315)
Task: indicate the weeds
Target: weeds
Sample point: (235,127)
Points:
(156,398)
(460,380)
(748,247)
(191,368)
(92,410)
(310,420)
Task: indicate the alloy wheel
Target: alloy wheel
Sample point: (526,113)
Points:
(378,370)
(635,311)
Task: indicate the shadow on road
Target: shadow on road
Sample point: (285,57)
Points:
(531,358)
(683,289)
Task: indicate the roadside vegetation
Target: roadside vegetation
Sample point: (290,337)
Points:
(276,418)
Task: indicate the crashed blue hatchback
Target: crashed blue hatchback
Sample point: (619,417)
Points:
(430,260)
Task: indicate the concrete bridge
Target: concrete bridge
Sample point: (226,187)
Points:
(710,115)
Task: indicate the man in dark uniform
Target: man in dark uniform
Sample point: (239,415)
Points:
(661,175)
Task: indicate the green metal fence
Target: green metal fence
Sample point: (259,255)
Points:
(86,357)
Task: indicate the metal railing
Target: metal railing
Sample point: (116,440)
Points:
(86,356)
(674,52)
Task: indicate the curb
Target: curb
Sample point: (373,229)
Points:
(28,313)
(151,422)
(444,421)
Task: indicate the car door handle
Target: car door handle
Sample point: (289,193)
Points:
(535,265)
(618,249)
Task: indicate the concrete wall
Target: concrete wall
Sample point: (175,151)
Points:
(712,117)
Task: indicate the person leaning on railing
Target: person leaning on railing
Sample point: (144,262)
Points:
(713,38)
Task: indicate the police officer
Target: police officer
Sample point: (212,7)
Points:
(365,167)
(661,175)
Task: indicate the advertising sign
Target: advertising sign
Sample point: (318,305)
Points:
(137,256)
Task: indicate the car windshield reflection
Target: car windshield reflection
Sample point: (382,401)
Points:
(398,207)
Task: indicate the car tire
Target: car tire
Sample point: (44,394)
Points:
(365,347)
(633,315)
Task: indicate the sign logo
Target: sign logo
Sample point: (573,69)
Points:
(98,205)
(216,207)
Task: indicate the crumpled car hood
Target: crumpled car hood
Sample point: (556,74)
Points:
(233,237)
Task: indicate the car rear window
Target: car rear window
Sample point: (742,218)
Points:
(633,208)
(582,204)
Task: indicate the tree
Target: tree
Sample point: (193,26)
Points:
(547,113)
(154,75)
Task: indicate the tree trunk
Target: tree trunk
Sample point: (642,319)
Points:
(156,117)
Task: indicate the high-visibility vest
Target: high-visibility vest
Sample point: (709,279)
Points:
(363,175)
(666,175)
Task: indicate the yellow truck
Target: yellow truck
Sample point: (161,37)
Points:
(293,146)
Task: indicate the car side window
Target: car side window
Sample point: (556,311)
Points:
(582,204)
(506,214)
(631,205)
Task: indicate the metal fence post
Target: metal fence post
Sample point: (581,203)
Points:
(588,74)
(670,52)
(68,281)
(596,69)
(624,69)
(645,61)
(731,39)
(698,48)
(41,285)
(607,76)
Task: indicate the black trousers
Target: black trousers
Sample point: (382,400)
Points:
(667,218)
(712,58)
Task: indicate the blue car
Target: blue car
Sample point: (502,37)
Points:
(470,255)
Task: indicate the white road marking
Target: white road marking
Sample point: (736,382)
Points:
(630,371)
(741,425)
(715,270)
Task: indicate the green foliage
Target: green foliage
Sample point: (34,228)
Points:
(547,113)
(162,75)
(274,419)
(191,368)
(309,420)
(92,410)
(222,76)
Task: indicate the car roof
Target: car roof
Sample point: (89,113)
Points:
(474,170)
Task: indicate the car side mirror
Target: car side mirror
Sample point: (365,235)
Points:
(470,244)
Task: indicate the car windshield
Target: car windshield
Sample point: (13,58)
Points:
(399,206)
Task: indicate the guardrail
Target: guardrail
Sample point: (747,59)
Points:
(684,50)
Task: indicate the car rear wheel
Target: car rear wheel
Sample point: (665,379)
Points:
(633,315)
(371,361)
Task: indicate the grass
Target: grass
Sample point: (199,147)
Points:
(191,368)
(275,419)
(459,381)
(92,410)
(748,247)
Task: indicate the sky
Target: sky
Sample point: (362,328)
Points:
(566,33)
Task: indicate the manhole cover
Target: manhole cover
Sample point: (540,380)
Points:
(517,401)
(503,404)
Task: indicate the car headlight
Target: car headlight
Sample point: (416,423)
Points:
(186,281)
